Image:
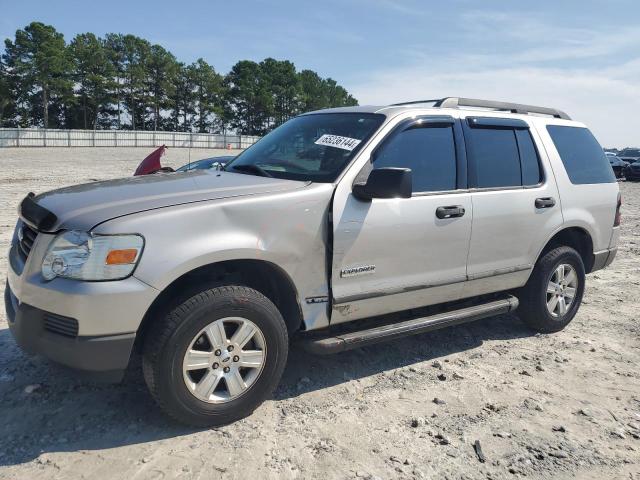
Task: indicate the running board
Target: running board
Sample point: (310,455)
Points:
(341,342)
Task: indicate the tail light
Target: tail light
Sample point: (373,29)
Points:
(616,222)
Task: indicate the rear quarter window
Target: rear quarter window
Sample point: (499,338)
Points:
(582,156)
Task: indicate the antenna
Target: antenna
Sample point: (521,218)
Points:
(189,152)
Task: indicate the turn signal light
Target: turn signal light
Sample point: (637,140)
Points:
(120,257)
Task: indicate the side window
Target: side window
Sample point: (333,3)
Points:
(428,151)
(529,160)
(582,156)
(494,157)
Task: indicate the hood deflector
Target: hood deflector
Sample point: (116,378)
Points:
(36,215)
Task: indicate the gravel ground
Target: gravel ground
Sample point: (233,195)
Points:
(542,406)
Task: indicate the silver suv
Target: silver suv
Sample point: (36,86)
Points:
(397,219)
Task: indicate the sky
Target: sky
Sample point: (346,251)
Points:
(582,57)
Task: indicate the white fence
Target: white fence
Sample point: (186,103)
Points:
(39,137)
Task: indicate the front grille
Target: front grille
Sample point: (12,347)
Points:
(27,237)
(61,325)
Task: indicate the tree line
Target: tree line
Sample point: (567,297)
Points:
(125,82)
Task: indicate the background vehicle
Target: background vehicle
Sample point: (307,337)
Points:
(630,155)
(403,218)
(632,171)
(617,165)
(151,163)
(206,163)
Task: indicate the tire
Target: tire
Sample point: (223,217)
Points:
(534,309)
(179,392)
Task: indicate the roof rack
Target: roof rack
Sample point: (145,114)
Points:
(456,102)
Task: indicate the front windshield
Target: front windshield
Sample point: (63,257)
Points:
(310,147)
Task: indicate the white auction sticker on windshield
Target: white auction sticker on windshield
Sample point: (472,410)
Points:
(337,141)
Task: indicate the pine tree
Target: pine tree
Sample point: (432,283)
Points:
(40,66)
(162,67)
(93,75)
(123,81)
(208,95)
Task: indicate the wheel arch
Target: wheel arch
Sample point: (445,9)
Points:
(264,276)
(575,237)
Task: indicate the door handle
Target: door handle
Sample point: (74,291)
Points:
(545,202)
(450,211)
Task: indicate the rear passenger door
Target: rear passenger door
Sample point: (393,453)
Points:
(516,206)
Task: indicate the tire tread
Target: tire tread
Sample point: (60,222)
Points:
(157,338)
(530,311)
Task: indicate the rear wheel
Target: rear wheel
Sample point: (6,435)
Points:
(217,356)
(552,296)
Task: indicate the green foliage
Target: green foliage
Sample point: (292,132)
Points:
(7,104)
(93,76)
(39,64)
(123,81)
(162,67)
(182,100)
(317,93)
(208,95)
(248,101)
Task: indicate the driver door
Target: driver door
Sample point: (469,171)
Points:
(396,254)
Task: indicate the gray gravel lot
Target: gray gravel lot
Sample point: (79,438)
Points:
(542,406)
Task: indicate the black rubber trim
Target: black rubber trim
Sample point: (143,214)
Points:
(461,156)
(61,325)
(428,121)
(340,343)
(493,122)
(36,215)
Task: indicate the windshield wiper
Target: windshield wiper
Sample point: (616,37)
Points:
(250,168)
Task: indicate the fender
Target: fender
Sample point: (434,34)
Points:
(585,227)
(287,229)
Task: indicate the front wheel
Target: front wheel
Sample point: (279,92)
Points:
(552,296)
(217,356)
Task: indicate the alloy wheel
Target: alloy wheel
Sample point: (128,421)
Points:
(224,360)
(561,290)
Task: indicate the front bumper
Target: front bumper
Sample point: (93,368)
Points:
(101,308)
(103,357)
(89,326)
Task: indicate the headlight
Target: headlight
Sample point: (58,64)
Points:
(85,256)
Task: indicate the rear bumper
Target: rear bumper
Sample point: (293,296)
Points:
(99,357)
(603,259)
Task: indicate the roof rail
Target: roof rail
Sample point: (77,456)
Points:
(456,102)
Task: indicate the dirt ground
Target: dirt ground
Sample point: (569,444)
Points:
(542,406)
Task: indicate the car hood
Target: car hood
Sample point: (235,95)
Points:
(85,206)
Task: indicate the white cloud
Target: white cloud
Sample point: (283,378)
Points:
(607,104)
(569,69)
(397,6)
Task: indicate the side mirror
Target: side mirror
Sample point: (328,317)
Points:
(385,182)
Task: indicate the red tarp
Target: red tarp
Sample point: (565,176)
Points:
(151,163)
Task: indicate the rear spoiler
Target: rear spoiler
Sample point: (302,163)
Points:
(36,215)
